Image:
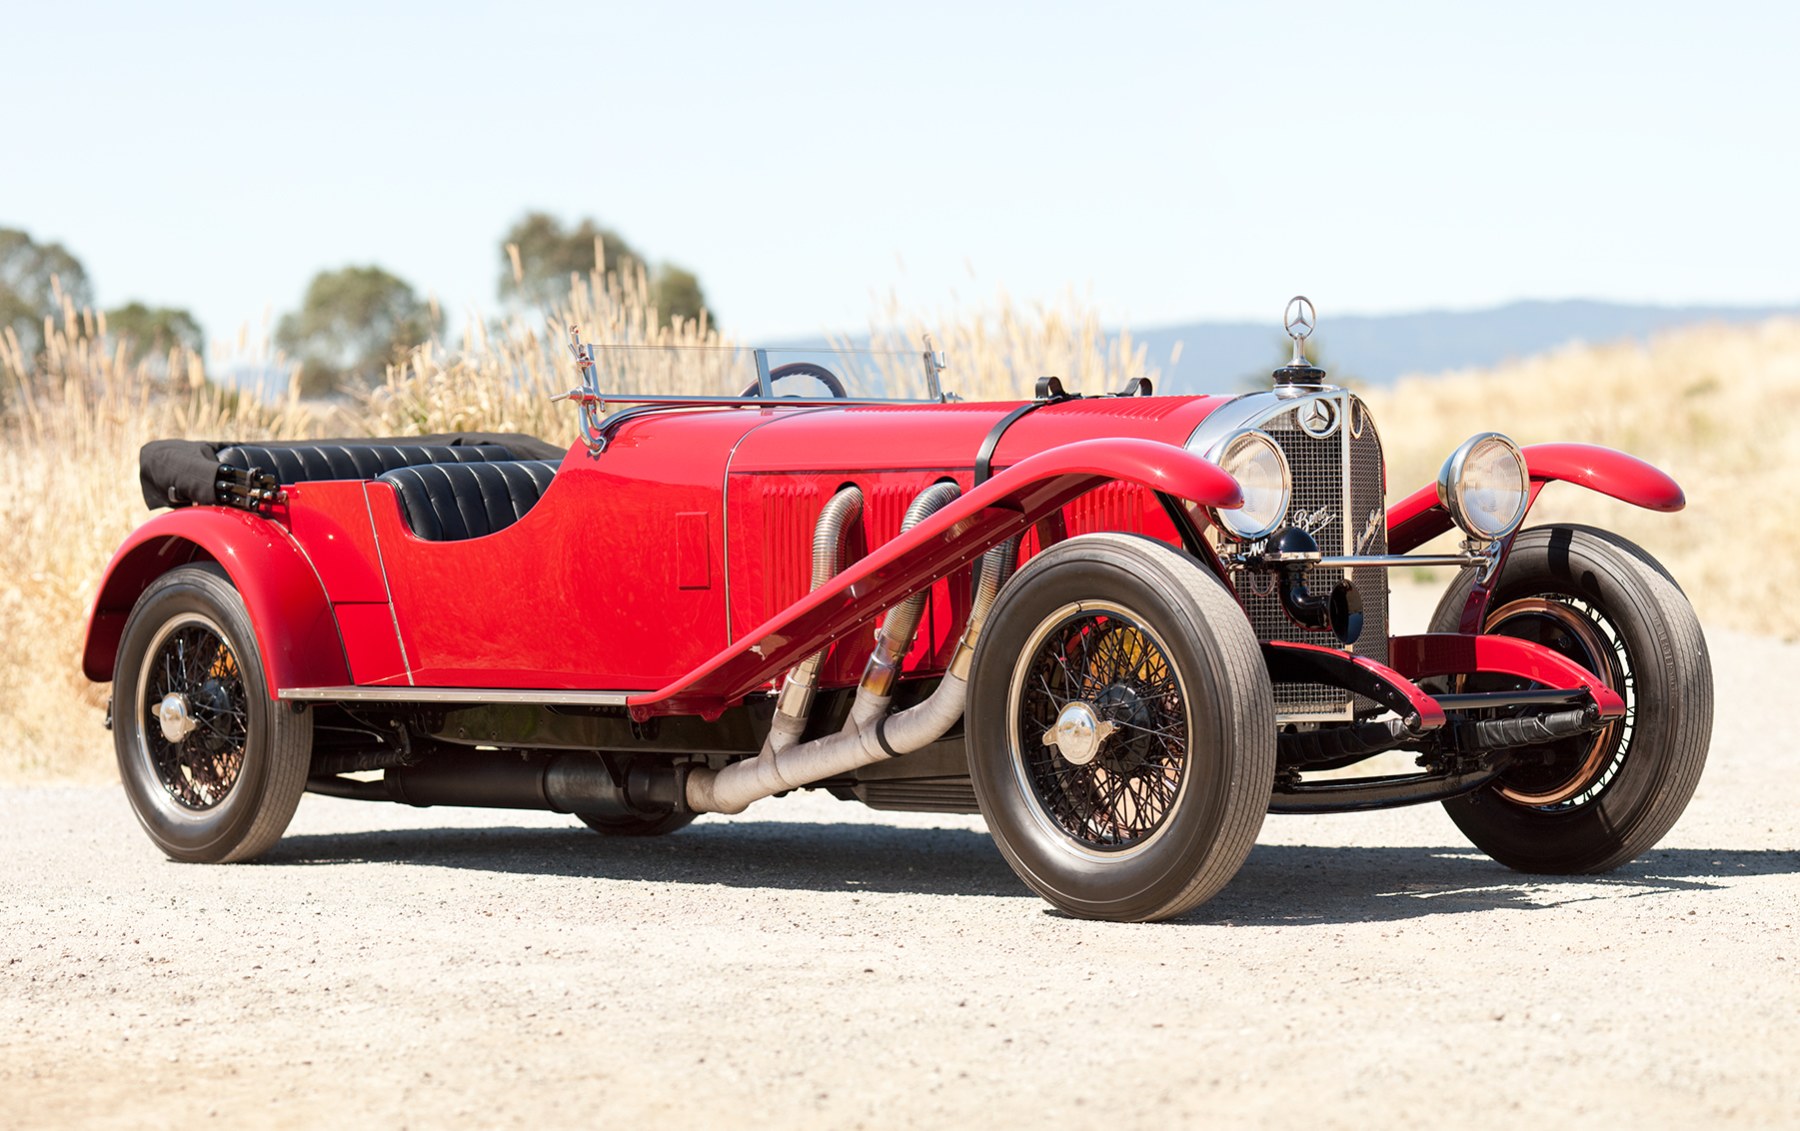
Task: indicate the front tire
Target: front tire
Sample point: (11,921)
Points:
(213,767)
(1592,803)
(1144,671)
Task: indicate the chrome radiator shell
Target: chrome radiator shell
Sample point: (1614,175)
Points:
(1339,494)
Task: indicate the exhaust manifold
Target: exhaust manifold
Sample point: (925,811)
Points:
(871,734)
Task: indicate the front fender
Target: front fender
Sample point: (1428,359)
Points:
(1419,517)
(1004,506)
(295,630)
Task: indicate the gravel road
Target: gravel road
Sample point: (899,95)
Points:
(815,964)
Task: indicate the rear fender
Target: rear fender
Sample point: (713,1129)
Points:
(295,631)
(1419,517)
(1004,506)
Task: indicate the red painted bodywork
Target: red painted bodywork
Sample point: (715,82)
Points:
(589,589)
(676,564)
(1004,506)
(295,631)
(1419,517)
(1444,653)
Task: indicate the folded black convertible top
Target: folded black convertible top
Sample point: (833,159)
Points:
(179,473)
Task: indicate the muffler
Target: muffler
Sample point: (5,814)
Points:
(562,783)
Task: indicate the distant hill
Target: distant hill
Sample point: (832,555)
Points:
(1377,349)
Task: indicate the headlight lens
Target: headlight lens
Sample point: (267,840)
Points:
(1255,461)
(1484,486)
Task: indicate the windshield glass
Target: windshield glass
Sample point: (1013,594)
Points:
(627,373)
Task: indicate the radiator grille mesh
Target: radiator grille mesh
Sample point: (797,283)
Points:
(1338,497)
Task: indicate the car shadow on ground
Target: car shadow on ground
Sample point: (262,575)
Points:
(1279,884)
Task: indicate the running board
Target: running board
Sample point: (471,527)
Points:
(541,698)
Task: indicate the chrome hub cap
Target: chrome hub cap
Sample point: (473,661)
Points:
(173,714)
(1078,733)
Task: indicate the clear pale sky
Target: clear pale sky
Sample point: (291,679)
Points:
(1179,161)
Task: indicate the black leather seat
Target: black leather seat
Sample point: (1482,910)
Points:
(448,502)
(299,463)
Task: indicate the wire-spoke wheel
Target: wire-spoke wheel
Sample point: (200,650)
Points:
(1101,721)
(213,767)
(1121,729)
(1593,802)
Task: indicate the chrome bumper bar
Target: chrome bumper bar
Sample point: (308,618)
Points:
(1365,561)
(1395,561)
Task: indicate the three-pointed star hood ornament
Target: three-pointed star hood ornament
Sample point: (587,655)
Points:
(1299,321)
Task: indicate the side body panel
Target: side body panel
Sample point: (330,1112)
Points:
(614,579)
(331,519)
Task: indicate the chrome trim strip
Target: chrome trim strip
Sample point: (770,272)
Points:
(1349,521)
(1249,411)
(548,698)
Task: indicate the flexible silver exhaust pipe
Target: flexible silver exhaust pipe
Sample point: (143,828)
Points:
(794,705)
(894,639)
(732,789)
(795,701)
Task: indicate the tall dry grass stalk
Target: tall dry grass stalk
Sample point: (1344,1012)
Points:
(1717,407)
(998,350)
(501,377)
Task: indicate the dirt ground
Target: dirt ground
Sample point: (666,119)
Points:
(812,963)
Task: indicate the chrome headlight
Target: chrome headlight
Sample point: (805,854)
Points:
(1255,461)
(1485,487)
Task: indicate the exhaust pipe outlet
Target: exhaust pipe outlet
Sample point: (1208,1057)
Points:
(732,789)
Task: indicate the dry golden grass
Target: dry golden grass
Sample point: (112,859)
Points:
(998,350)
(1717,407)
(73,420)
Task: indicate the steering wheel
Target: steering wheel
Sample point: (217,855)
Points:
(801,369)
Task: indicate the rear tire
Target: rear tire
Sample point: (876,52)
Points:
(1153,794)
(1605,800)
(213,767)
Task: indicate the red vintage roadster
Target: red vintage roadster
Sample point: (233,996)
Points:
(1120,627)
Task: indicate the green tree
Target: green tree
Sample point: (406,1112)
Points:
(29,273)
(538,256)
(677,293)
(352,323)
(153,329)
